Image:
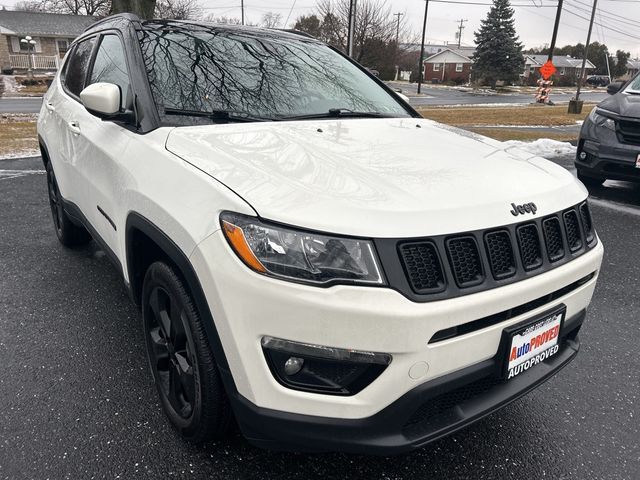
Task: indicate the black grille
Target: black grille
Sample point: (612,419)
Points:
(465,261)
(572,227)
(422,266)
(587,223)
(629,130)
(446,266)
(529,243)
(553,238)
(435,407)
(500,251)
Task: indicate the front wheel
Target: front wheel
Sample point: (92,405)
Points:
(181,361)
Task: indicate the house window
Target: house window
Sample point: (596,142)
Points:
(436,67)
(563,71)
(532,69)
(459,67)
(63,46)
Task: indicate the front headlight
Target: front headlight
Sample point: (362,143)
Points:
(601,120)
(297,255)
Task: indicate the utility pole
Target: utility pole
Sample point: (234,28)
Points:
(554,36)
(399,14)
(424,32)
(460,28)
(586,51)
(352,27)
(242,11)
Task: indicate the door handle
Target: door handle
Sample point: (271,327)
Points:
(50,107)
(74,127)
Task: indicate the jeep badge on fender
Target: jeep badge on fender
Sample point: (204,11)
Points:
(524,208)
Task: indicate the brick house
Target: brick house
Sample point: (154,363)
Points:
(449,65)
(568,68)
(52,33)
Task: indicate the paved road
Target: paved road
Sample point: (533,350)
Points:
(452,96)
(76,398)
(20,105)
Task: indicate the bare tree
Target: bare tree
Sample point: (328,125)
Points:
(224,20)
(271,20)
(142,8)
(178,9)
(71,7)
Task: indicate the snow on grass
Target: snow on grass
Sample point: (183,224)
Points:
(543,147)
(20,153)
(10,85)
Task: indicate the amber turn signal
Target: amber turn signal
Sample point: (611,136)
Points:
(238,242)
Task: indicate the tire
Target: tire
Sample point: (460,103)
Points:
(181,361)
(68,233)
(590,182)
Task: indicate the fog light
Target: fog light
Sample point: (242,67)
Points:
(322,369)
(293,365)
(583,155)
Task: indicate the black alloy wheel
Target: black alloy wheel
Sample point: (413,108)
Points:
(171,352)
(181,361)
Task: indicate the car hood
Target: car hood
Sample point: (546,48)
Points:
(624,104)
(375,177)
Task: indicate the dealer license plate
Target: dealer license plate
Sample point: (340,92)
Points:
(533,344)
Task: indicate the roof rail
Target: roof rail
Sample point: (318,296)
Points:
(127,16)
(296,32)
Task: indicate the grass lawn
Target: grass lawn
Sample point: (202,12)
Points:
(17,134)
(517,115)
(504,134)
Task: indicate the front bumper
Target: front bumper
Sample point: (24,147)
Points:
(246,306)
(606,156)
(424,414)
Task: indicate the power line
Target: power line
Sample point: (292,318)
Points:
(454,2)
(607,15)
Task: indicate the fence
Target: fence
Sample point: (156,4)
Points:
(37,62)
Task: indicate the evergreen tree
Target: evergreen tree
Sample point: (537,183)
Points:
(498,53)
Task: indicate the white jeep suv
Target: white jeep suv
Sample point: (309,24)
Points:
(311,256)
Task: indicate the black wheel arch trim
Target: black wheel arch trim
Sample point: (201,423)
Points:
(136,221)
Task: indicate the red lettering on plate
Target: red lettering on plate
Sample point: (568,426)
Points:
(514,354)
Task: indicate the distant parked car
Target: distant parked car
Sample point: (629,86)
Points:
(598,80)
(609,143)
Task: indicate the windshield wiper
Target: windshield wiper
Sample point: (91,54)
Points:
(338,113)
(218,115)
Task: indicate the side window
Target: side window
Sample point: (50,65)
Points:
(76,69)
(110,66)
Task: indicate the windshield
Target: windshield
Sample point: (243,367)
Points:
(262,75)
(634,86)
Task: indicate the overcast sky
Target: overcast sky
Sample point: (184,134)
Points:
(619,19)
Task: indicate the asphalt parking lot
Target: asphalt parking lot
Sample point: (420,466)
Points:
(77,401)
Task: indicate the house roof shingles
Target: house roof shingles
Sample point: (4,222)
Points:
(36,23)
(560,61)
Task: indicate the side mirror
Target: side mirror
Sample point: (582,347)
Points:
(102,99)
(614,87)
(399,93)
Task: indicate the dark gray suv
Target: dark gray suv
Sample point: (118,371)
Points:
(609,143)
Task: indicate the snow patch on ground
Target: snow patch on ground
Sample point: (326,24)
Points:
(543,147)
(25,153)
(10,85)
